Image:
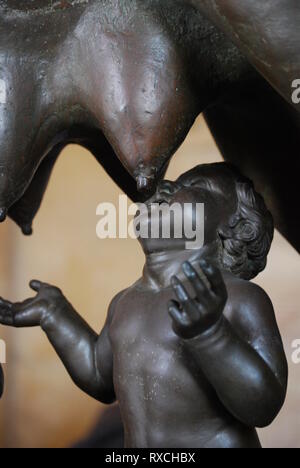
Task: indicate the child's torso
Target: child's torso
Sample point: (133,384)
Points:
(165,399)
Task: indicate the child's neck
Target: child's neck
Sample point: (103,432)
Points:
(161,266)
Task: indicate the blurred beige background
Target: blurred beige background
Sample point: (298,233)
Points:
(41,406)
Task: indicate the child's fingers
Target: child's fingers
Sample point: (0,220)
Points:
(36,285)
(175,313)
(214,277)
(198,284)
(186,302)
(6,316)
(180,291)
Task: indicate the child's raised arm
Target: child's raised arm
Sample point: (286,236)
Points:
(242,358)
(78,346)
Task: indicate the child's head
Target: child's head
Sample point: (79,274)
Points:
(236,216)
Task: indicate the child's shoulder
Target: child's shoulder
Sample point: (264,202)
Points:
(247,301)
(245,290)
(113,304)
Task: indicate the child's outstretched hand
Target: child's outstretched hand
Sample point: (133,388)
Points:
(192,317)
(31,312)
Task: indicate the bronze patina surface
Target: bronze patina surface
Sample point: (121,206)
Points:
(126,79)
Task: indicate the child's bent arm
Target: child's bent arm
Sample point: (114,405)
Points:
(243,359)
(244,382)
(77,345)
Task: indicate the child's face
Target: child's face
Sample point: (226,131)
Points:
(207,185)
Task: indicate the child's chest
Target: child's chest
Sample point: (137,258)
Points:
(144,345)
(142,317)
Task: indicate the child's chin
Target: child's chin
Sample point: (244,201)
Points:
(162,245)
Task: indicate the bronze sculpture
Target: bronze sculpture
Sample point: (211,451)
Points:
(267,32)
(126,79)
(211,371)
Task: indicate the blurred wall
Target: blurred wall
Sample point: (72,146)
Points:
(41,406)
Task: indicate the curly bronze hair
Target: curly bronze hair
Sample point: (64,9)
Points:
(247,239)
